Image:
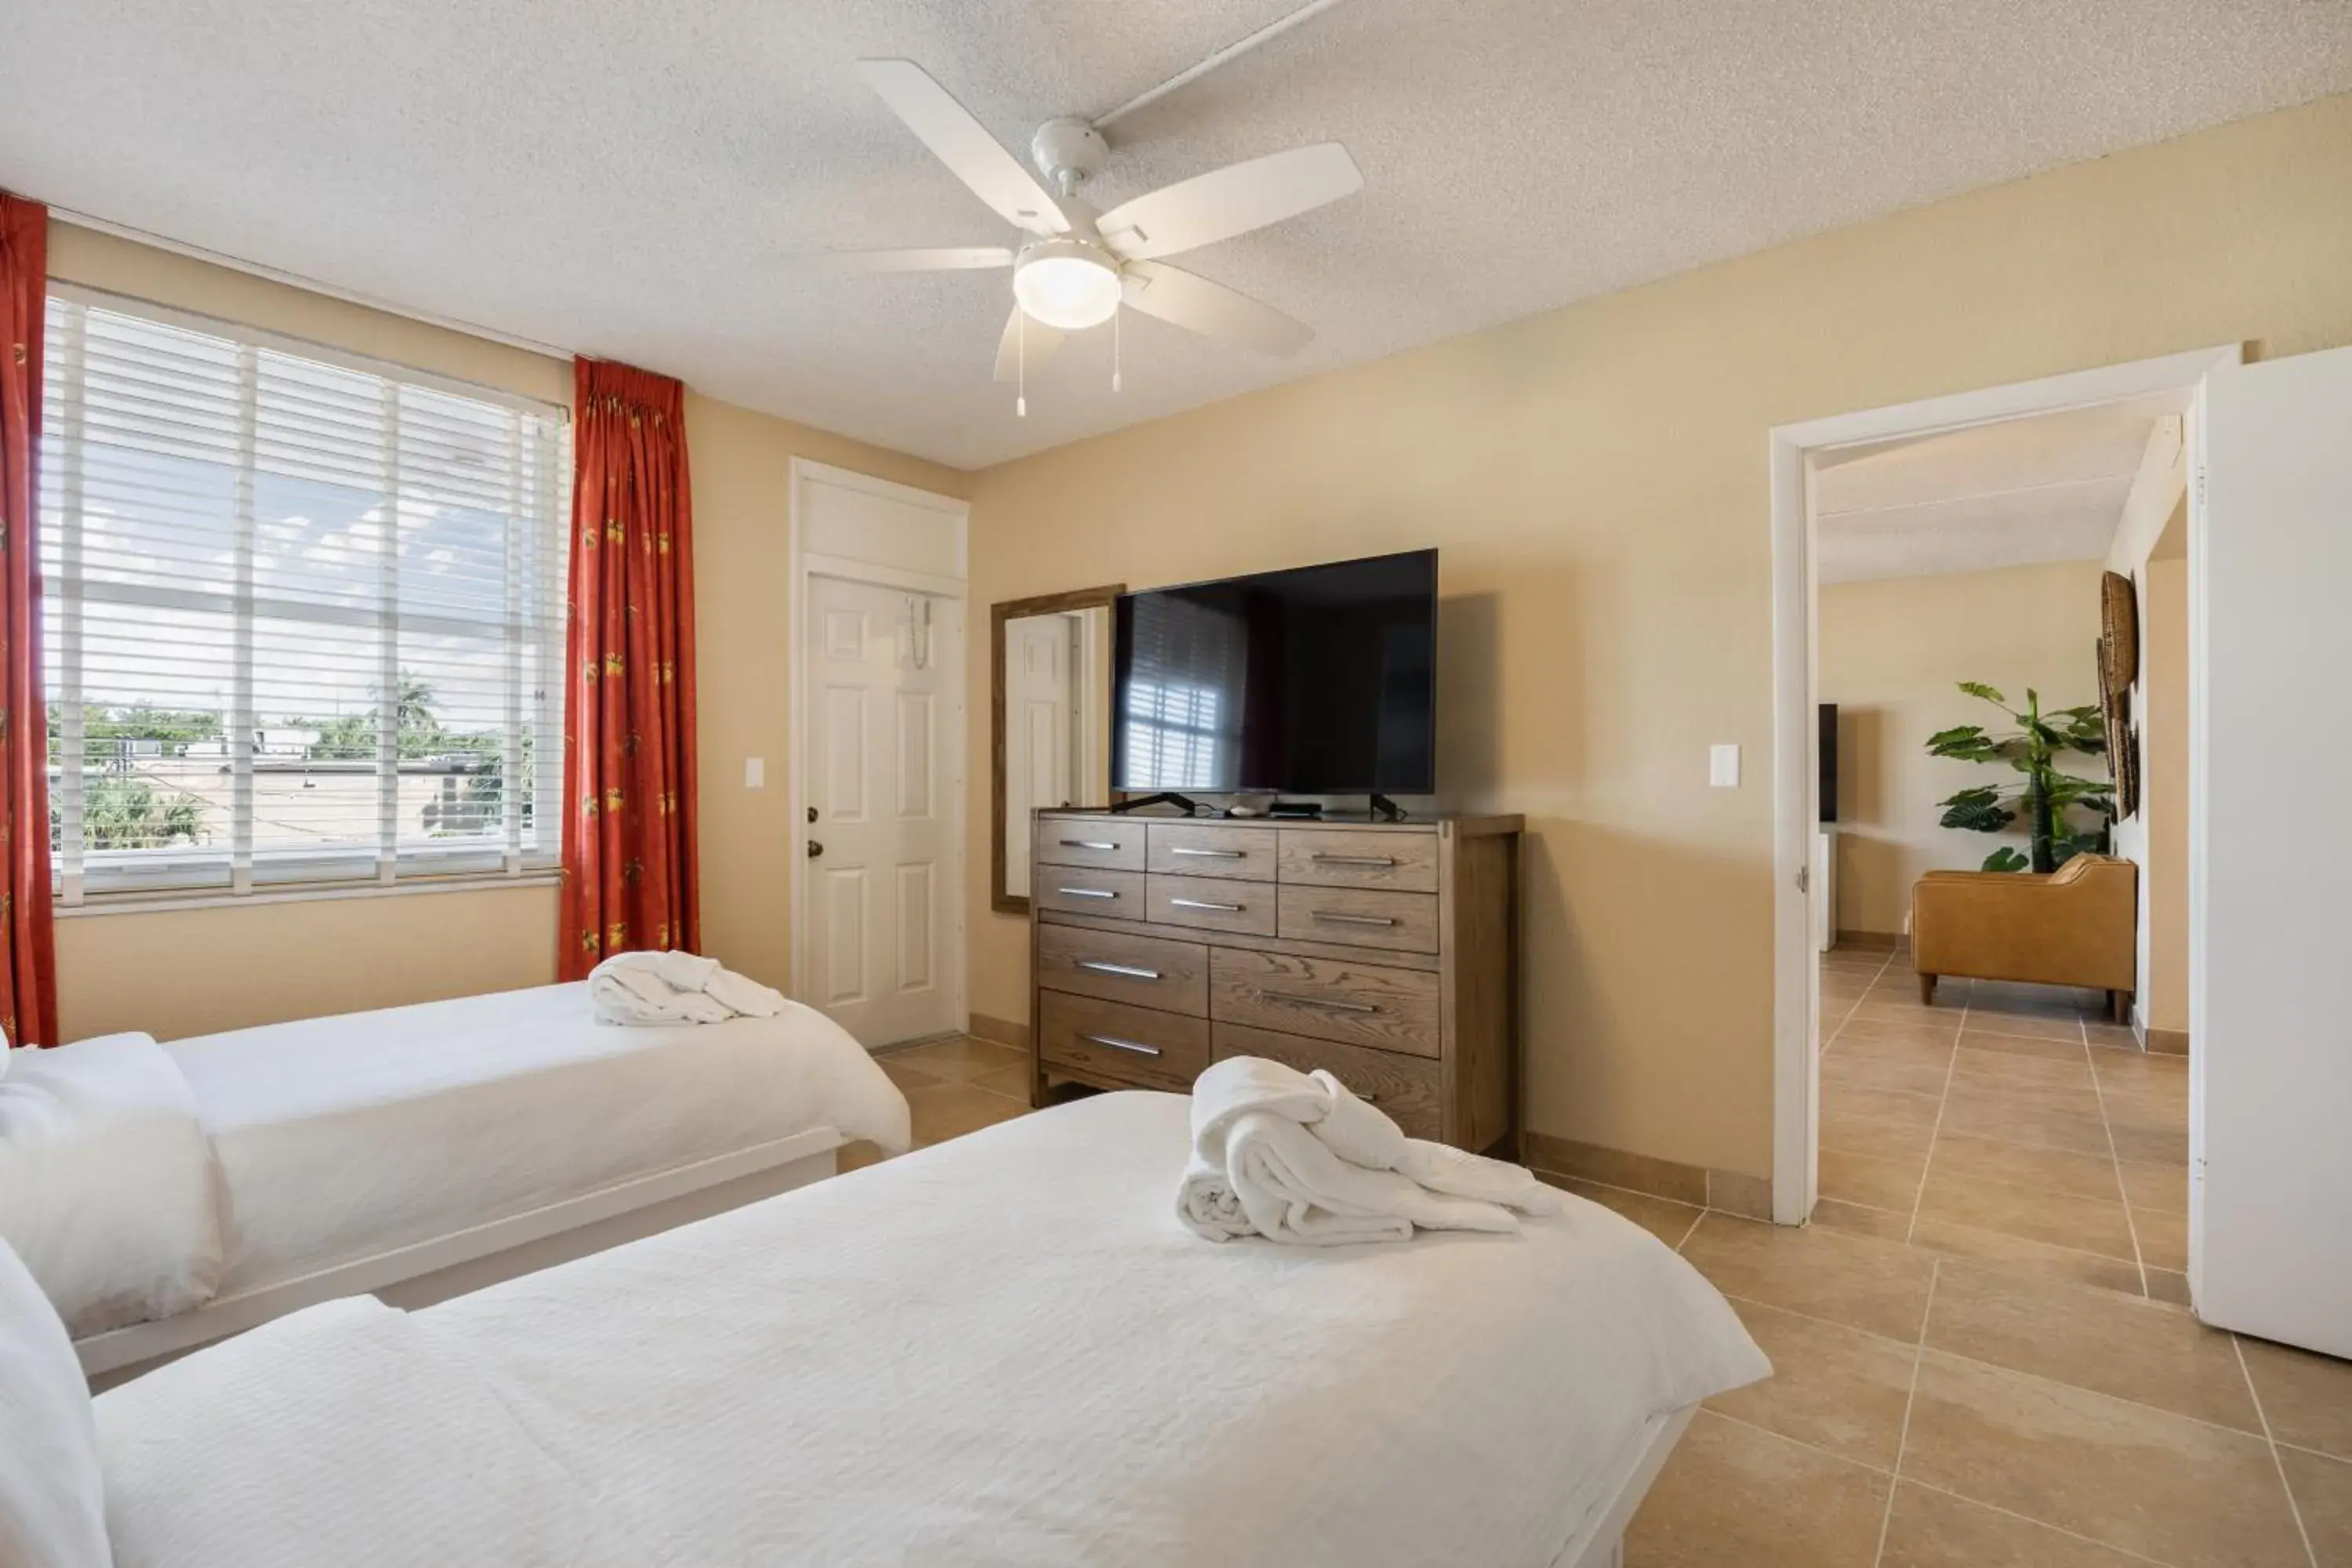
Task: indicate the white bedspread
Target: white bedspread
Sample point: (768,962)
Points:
(411,1461)
(340,1138)
(1004,1350)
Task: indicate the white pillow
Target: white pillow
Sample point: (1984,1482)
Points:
(52,1504)
(344,1433)
(107,1182)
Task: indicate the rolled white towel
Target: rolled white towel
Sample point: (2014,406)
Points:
(1295,1158)
(651,989)
(1364,1135)
(1295,1189)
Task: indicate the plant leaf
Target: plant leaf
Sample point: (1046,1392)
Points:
(1979,817)
(1978,689)
(2006,859)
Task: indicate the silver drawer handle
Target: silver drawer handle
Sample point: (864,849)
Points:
(1118,1045)
(1199,904)
(1326,1002)
(1086,892)
(1129,969)
(1212,854)
(1323,859)
(1087,844)
(1336,918)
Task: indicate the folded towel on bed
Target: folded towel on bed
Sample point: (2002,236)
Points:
(646,989)
(1297,1157)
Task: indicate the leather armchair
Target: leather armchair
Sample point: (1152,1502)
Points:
(2075,927)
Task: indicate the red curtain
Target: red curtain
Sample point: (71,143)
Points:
(629,870)
(28,990)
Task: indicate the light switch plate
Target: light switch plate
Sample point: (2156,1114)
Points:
(755,772)
(1723,766)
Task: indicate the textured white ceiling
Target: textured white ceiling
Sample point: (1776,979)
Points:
(621,177)
(2016,493)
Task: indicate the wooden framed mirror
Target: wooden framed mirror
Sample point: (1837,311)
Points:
(1049,717)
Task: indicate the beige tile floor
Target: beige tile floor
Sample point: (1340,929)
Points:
(1970,1367)
(954,1087)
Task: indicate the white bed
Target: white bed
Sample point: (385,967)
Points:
(419,1152)
(1001,1350)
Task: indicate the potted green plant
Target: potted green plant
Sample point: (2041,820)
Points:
(2046,796)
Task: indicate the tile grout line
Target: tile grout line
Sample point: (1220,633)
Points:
(1910,1399)
(1919,1197)
(2295,1509)
(2116,1163)
(1781,1436)
(2038,1523)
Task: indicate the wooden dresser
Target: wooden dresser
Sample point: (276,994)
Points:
(1387,952)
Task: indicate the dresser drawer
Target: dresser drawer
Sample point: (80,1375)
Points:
(1196,849)
(1116,894)
(1360,918)
(1147,970)
(1406,1088)
(1106,843)
(1210,903)
(1391,1009)
(1128,1044)
(1339,858)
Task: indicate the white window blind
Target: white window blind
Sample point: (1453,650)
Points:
(304,612)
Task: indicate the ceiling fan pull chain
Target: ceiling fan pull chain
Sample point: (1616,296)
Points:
(1114,349)
(1021,375)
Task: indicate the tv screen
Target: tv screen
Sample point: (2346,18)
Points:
(1320,680)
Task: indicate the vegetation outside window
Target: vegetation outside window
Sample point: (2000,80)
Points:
(304,612)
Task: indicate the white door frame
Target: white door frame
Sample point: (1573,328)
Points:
(846,563)
(1796,991)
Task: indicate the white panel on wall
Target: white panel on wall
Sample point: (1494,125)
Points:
(2270,1050)
(857,519)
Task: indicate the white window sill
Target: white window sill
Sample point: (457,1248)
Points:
(127,903)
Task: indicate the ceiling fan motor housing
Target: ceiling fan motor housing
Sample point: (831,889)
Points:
(1068,151)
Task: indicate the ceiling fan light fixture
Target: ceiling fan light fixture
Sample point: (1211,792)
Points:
(1066,284)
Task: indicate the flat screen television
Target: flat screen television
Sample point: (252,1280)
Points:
(1319,680)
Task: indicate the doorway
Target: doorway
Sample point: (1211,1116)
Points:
(878,774)
(1798,455)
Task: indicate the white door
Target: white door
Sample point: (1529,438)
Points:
(1041,661)
(881,889)
(2271,853)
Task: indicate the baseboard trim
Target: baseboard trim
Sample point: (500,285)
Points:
(1874,940)
(1727,1192)
(1002,1031)
(2165,1042)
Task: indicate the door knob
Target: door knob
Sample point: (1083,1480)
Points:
(814,849)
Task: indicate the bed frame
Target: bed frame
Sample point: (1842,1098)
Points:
(1601,1544)
(434,1270)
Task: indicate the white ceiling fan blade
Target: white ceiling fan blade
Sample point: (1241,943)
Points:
(1190,301)
(1041,343)
(937,258)
(1229,201)
(964,146)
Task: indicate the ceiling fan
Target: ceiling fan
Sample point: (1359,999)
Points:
(1078,265)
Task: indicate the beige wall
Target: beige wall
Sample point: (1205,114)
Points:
(188,971)
(1596,479)
(1889,654)
(2164,793)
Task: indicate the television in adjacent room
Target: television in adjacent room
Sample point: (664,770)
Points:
(1316,680)
(1828,789)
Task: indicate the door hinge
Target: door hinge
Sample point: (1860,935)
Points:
(1804,878)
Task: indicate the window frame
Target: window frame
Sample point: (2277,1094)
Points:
(238,874)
